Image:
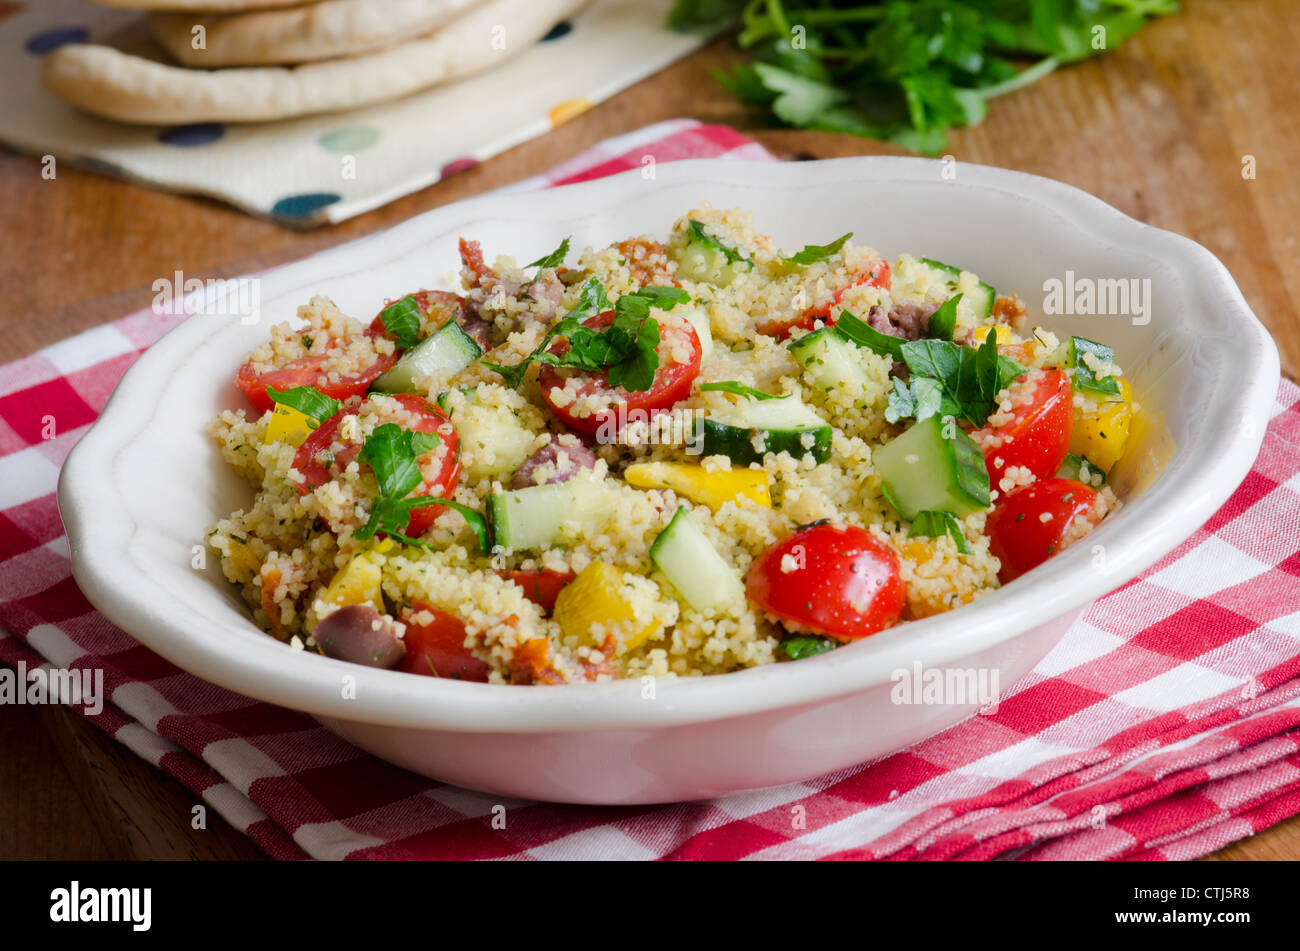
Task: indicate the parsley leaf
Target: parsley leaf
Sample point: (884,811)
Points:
(627,348)
(739,389)
(797,648)
(393,454)
(308,400)
(864,335)
(930,524)
(813,253)
(401,318)
(555,258)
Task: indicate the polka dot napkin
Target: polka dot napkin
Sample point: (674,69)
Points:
(324,169)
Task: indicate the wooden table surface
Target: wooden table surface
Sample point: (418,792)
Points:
(1160,129)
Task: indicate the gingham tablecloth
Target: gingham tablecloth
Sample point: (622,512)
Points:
(1165,725)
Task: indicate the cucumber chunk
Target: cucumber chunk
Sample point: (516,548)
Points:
(688,560)
(753,428)
(447,348)
(534,518)
(706,259)
(832,360)
(922,470)
(700,321)
(1081,470)
(980,300)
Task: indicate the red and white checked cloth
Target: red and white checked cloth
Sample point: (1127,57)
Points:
(1165,725)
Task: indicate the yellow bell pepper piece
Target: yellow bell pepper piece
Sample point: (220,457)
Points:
(598,596)
(360,581)
(288,425)
(1101,436)
(1003,334)
(696,483)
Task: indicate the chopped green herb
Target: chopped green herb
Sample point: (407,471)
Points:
(739,389)
(554,259)
(944,320)
(307,342)
(308,400)
(401,318)
(971,379)
(797,648)
(864,335)
(1081,374)
(627,348)
(937,524)
(812,253)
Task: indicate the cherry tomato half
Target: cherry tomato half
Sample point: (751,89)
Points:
(840,581)
(828,313)
(317,467)
(308,371)
(437,648)
(540,587)
(672,382)
(1029,525)
(1038,435)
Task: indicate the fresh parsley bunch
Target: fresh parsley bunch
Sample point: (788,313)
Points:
(904,71)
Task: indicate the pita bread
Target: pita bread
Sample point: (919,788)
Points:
(109,83)
(323,30)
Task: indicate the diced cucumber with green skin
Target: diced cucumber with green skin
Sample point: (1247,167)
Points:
(706,259)
(980,300)
(532,519)
(832,360)
(494,430)
(448,348)
(1080,470)
(923,470)
(784,425)
(700,321)
(688,560)
(1070,356)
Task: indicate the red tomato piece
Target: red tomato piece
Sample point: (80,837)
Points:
(437,648)
(307,371)
(540,587)
(318,469)
(672,383)
(1038,437)
(828,313)
(1029,525)
(841,581)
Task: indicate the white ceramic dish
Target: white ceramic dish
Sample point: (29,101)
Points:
(140,488)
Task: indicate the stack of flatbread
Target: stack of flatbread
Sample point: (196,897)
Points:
(258,60)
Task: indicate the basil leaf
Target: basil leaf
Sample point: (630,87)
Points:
(864,335)
(812,253)
(477,522)
(930,524)
(703,237)
(739,389)
(944,320)
(555,258)
(308,400)
(797,648)
(401,318)
(424,442)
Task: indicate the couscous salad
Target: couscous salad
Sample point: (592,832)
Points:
(658,458)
